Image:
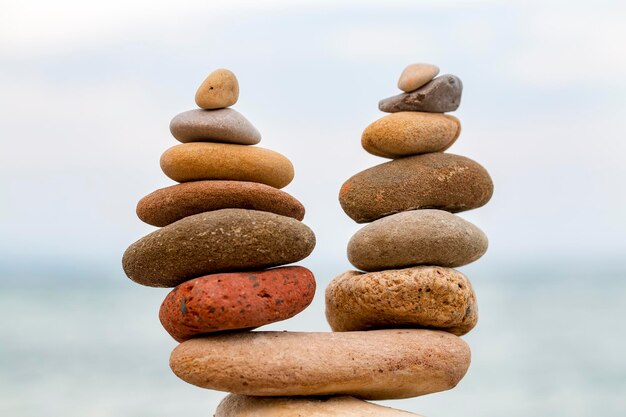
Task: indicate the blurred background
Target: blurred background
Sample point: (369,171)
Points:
(87,90)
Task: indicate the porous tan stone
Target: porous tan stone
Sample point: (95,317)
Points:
(434,180)
(377,364)
(416,75)
(410,133)
(416,237)
(229,240)
(220,89)
(419,297)
(221,161)
(246,406)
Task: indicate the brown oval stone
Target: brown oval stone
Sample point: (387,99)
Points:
(416,237)
(376,365)
(419,297)
(416,75)
(171,204)
(223,125)
(220,89)
(410,133)
(221,161)
(237,300)
(246,406)
(434,180)
(228,240)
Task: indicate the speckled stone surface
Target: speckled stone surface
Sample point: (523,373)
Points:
(435,180)
(416,75)
(236,300)
(377,364)
(229,240)
(220,161)
(410,133)
(224,125)
(171,204)
(416,237)
(419,297)
(220,89)
(443,94)
(246,406)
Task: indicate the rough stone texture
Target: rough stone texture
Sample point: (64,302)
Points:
(171,204)
(220,89)
(245,406)
(377,364)
(434,180)
(419,297)
(224,125)
(217,241)
(410,133)
(220,161)
(416,237)
(416,75)
(441,95)
(237,300)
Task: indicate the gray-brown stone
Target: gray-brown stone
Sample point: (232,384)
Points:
(435,180)
(223,125)
(420,297)
(416,237)
(443,94)
(376,365)
(229,240)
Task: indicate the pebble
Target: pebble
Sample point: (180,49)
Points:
(410,133)
(237,300)
(229,240)
(435,180)
(419,297)
(443,94)
(225,125)
(416,75)
(220,89)
(170,204)
(220,161)
(376,365)
(245,406)
(416,237)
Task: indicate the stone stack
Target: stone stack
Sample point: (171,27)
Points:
(224,223)
(407,252)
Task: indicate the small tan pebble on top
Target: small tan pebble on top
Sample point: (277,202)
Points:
(416,75)
(234,405)
(219,90)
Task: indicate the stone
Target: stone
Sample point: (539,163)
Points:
(224,125)
(220,161)
(236,300)
(245,406)
(416,75)
(443,94)
(410,133)
(416,237)
(220,89)
(420,297)
(434,180)
(375,365)
(170,204)
(228,240)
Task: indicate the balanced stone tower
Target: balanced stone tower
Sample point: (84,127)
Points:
(223,225)
(412,241)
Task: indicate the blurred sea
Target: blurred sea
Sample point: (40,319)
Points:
(550,341)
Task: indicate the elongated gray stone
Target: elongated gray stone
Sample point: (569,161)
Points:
(443,94)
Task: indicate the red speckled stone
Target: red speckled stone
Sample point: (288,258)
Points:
(236,300)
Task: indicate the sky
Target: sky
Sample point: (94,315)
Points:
(88,90)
